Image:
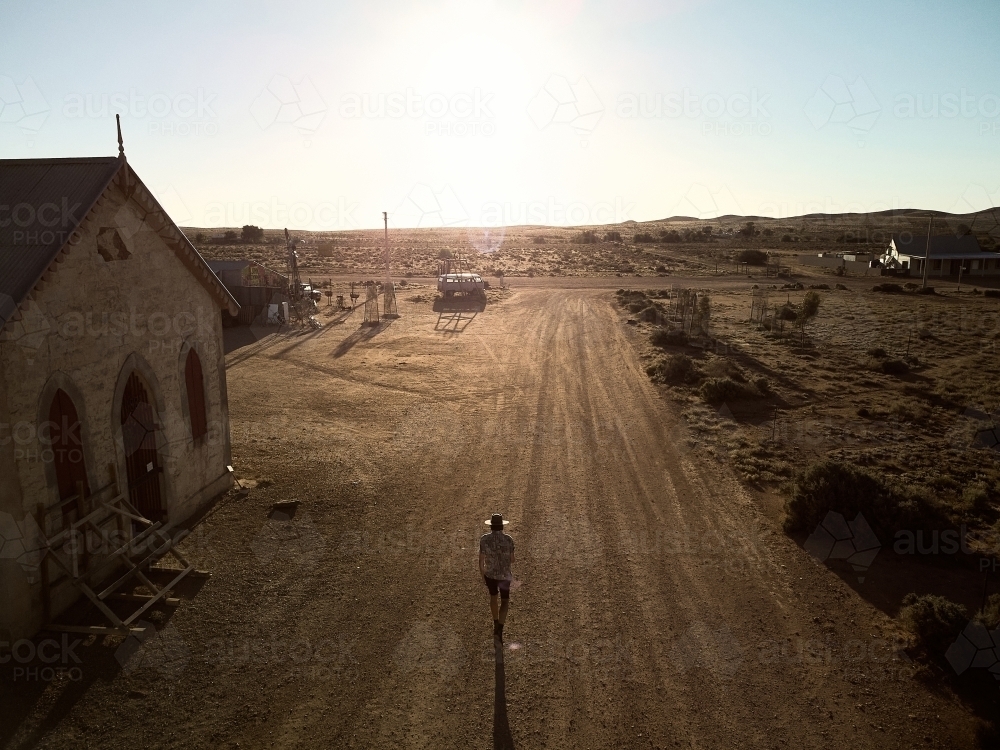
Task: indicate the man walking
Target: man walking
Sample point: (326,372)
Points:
(496,554)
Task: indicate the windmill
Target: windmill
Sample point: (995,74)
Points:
(294,280)
(371,304)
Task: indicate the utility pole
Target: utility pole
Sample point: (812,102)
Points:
(388,290)
(927,252)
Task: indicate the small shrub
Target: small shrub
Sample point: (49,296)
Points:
(934,621)
(643,237)
(679,368)
(787,312)
(893,367)
(976,497)
(649,314)
(752,257)
(991,292)
(989,615)
(612,236)
(810,306)
(638,305)
(763,385)
(717,390)
(848,489)
(538,240)
(786,238)
(876,351)
(663,337)
(841,287)
(819,286)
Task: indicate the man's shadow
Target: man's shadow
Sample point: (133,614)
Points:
(502,739)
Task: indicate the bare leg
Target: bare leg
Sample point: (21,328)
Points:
(493,608)
(503,610)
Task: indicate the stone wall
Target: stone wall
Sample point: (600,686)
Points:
(93,323)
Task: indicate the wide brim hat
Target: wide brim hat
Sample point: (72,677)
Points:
(497,521)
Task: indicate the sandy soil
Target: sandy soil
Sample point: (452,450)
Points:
(657,605)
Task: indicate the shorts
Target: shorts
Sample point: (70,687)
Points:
(494,585)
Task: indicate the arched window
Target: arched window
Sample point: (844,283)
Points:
(66,443)
(195,383)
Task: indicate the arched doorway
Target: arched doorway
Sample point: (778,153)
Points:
(66,444)
(142,461)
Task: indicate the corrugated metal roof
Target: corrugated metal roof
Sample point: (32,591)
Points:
(941,245)
(42,201)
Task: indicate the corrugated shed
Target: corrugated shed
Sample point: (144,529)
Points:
(941,245)
(42,202)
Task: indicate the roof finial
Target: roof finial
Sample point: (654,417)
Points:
(121,144)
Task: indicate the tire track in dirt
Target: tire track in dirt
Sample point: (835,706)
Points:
(649,579)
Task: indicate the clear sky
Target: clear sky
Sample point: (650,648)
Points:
(321,115)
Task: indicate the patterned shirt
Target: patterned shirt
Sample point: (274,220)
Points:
(498,548)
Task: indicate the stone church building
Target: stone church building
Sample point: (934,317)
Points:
(112,374)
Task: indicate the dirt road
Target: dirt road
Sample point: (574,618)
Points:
(655,605)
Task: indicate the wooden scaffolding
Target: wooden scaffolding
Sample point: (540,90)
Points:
(130,548)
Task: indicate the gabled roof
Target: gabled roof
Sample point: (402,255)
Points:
(44,204)
(942,245)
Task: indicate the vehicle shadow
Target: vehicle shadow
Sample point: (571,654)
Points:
(363,333)
(453,322)
(455,313)
(459,303)
(502,738)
